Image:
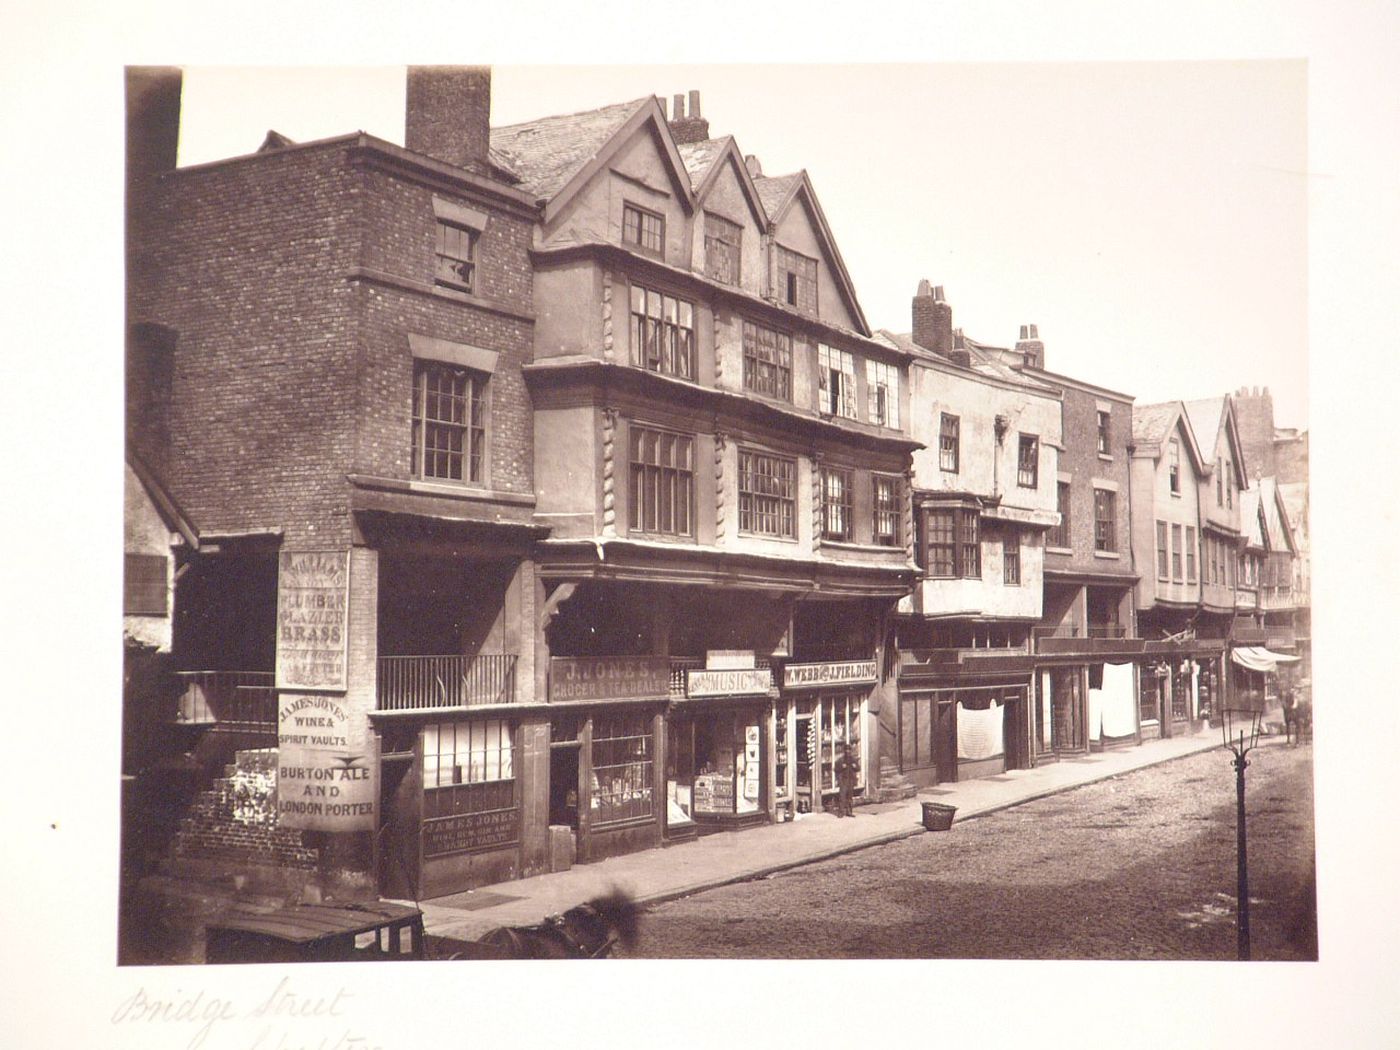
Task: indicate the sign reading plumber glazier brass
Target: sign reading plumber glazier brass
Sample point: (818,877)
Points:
(313,600)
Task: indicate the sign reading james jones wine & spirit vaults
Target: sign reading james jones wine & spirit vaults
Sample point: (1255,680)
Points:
(313,590)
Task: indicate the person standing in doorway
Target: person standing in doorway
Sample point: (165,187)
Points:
(845,781)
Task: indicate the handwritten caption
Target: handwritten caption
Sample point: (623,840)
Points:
(280,1021)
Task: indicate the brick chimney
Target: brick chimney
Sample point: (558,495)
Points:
(152,120)
(688,127)
(448,114)
(1254,416)
(933,320)
(1030,347)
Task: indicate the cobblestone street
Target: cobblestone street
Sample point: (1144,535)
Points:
(1141,866)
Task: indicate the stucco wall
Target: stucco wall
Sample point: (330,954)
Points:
(144,532)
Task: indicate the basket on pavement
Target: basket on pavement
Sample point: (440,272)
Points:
(937,816)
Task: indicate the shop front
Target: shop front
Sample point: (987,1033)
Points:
(960,726)
(818,721)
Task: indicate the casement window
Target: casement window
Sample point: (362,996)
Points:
(468,767)
(1105,521)
(662,481)
(1059,536)
(882,382)
(1162,551)
(1011,557)
(144,590)
(767,361)
(1176,553)
(662,333)
(723,244)
(836,504)
(449,423)
(886,492)
(1190,554)
(1028,462)
(1229,485)
(643,229)
(796,280)
(623,767)
(1174,466)
(1105,434)
(1219,483)
(948,442)
(836,382)
(954,548)
(456,256)
(767,494)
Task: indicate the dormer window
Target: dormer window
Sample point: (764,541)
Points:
(796,280)
(723,244)
(643,229)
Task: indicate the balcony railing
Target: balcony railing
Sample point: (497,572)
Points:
(228,701)
(409,683)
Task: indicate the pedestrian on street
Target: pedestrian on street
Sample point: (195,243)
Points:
(845,781)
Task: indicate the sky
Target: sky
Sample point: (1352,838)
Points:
(1149,217)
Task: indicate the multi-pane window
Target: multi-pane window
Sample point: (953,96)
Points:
(662,481)
(622,767)
(456,256)
(767,361)
(886,490)
(1105,433)
(954,548)
(1162,552)
(948,442)
(1176,553)
(797,279)
(467,767)
(1174,466)
(144,590)
(882,382)
(1060,536)
(723,241)
(836,503)
(642,229)
(1105,523)
(1219,483)
(1190,554)
(1229,486)
(1011,557)
(663,333)
(449,422)
(1028,461)
(836,382)
(767,494)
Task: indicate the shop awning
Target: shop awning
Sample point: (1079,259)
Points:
(1257,658)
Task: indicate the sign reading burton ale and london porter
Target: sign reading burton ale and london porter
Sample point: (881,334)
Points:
(821,676)
(608,677)
(313,589)
(323,784)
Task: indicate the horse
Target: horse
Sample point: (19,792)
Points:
(589,931)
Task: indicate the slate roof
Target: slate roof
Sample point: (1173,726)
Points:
(1279,539)
(772,191)
(979,360)
(1151,422)
(1249,518)
(699,156)
(546,153)
(1205,416)
(1295,502)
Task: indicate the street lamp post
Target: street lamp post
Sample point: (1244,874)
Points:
(1239,727)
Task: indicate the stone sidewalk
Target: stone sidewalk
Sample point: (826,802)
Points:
(677,871)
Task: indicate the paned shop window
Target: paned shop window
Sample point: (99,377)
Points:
(1028,462)
(467,767)
(836,503)
(954,548)
(767,362)
(723,240)
(882,380)
(663,333)
(836,381)
(642,229)
(767,494)
(1105,521)
(662,481)
(456,256)
(885,491)
(622,767)
(449,422)
(948,441)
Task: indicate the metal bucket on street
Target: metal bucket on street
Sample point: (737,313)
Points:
(937,816)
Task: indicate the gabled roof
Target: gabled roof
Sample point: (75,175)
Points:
(979,360)
(1210,417)
(1295,502)
(170,512)
(700,156)
(777,191)
(1254,534)
(704,160)
(546,153)
(1153,425)
(1280,532)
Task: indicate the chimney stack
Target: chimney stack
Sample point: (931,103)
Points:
(448,115)
(755,168)
(688,127)
(152,120)
(1029,346)
(933,320)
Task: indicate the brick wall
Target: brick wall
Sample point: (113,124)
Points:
(1080,458)
(1254,414)
(236,819)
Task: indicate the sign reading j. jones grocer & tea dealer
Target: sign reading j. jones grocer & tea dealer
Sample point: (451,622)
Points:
(822,676)
(313,590)
(608,677)
(323,784)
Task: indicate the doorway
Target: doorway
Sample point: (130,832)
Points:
(805,753)
(563,785)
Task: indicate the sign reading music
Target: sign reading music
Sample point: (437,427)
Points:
(734,682)
(817,676)
(609,677)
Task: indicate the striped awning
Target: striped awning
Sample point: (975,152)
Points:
(1257,658)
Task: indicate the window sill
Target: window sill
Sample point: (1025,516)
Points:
(767,536)
(452,490)
(660,537)
(1105,457)
(847,545)
(1113,555)
(1060,550)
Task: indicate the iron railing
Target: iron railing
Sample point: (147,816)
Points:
(408,683)
(228,701)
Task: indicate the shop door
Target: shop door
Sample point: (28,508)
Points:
(399,813)
(945,738)
(806,754)
(563,785)
(1016,734)
(1066,720)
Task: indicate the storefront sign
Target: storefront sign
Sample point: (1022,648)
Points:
(729,659)
(608,677)
(818,676)
(471,831)
(322,790)
(313,722)
(313,591)
(728,683)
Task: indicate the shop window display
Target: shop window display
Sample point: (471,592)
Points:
(820,729)
(622,768)
(714,767)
